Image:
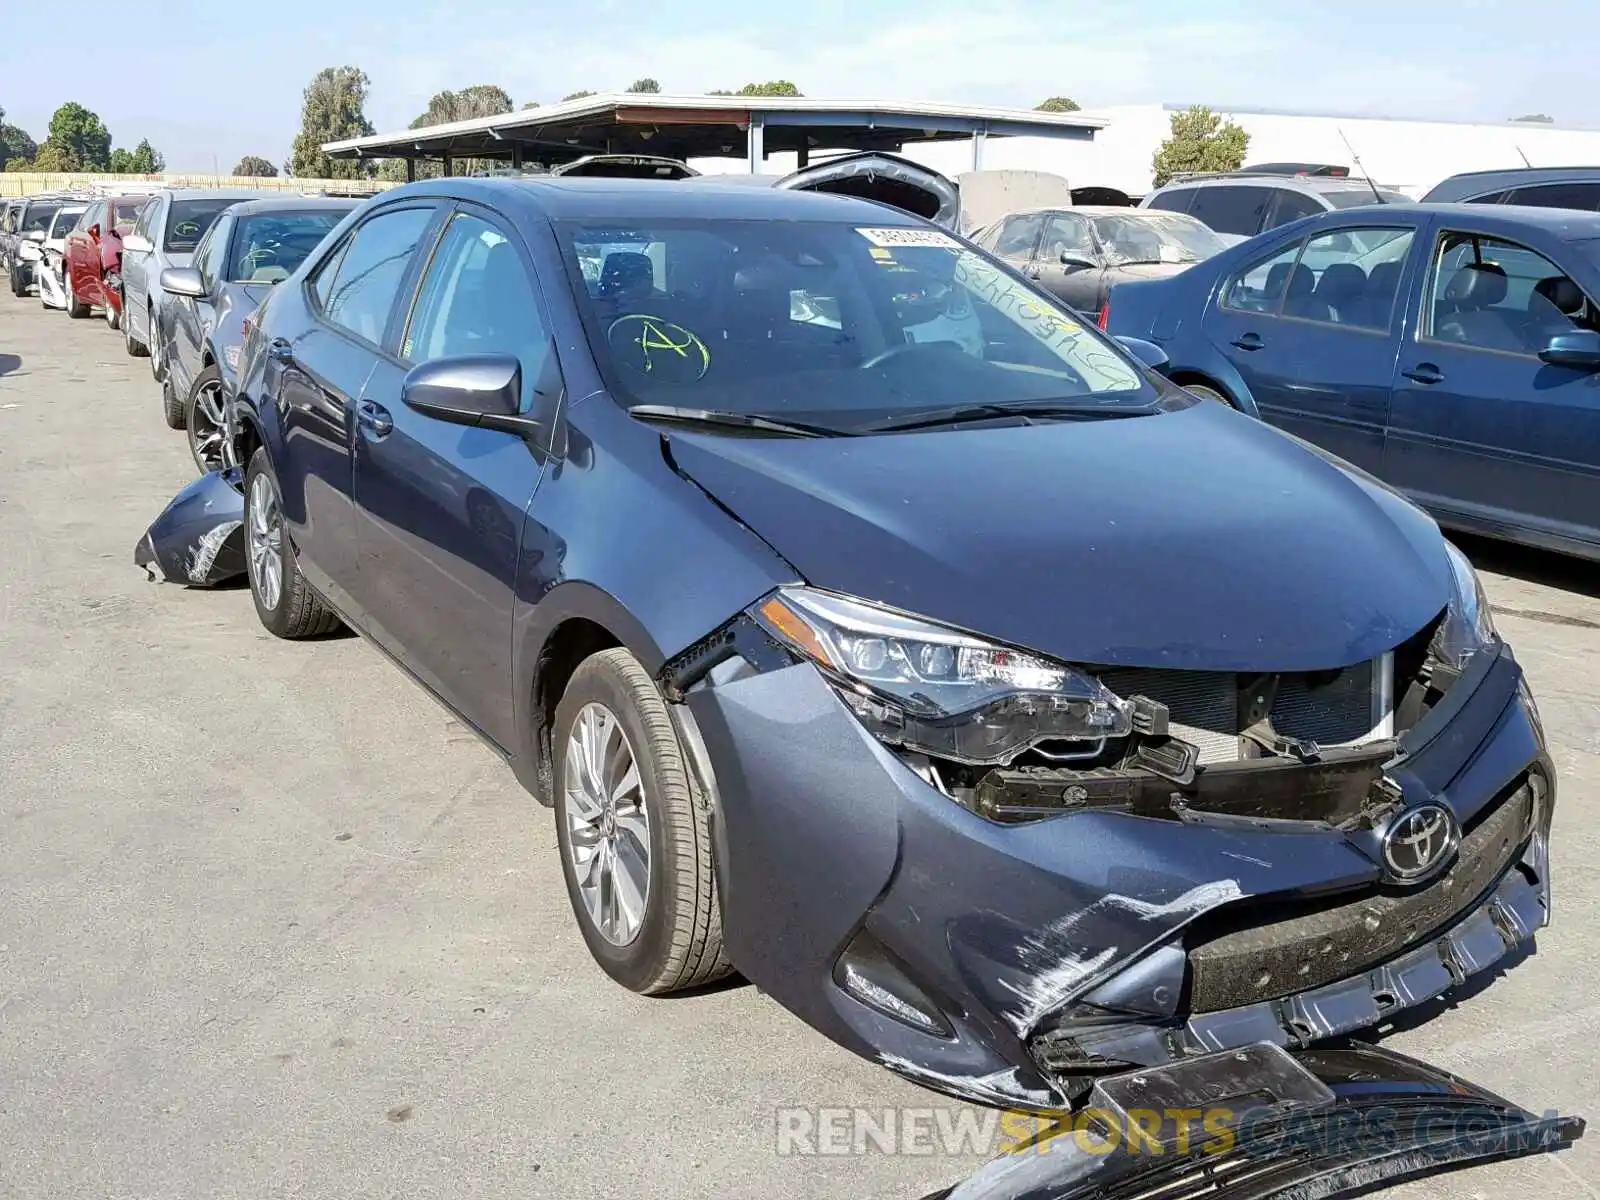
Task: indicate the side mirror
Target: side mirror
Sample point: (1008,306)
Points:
(35,235)
(1076,258)
(482,390)
(137,243)
(1579,348)
(1150,354)
(182,281)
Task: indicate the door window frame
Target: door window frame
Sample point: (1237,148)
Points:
(405,292)
(1424,331)
(1396,308)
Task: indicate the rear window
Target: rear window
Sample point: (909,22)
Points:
(66,218)
(125,214)
(268,248)
(1177,200)
(1229,209)
(39,217)
(1583,196)
(189,221)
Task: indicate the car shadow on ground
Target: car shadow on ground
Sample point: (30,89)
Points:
(9,363)
(1543,567)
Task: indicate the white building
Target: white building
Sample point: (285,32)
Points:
(1410,156)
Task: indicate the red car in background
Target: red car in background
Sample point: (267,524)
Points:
(93,261)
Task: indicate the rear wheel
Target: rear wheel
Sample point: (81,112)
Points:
(284,601)
(1206,393)
(76,309)
(635,841)
(203,419)
(153,346)
(134,347)
(113,312)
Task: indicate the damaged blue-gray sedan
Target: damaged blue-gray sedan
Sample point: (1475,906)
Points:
(881,632)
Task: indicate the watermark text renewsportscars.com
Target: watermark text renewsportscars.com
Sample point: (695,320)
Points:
(968,1132)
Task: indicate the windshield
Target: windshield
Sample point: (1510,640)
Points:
(1155,238)
(39,217)
(66,218)
(189,221)
(125,214)
(268,248)
(1356,198)
(826,322)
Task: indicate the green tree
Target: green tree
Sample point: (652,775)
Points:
(645,85)
(577,95)
(1058,104)
(15,165)
(1200,141)
(15,142)
(773,87)
(255,167)
(479,100)
(531,104)
(334,108)
(52,158)
(143,159)
(1535,119)
(81,136)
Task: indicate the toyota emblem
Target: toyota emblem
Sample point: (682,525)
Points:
(1419,842)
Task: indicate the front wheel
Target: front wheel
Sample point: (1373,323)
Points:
(152,343)
(284,601)
(635,841)
(76,309)
(172,405)
(19,285)
(202,417)
(113,314)
(134,347)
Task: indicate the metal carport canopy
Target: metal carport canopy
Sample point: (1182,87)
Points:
(685,127)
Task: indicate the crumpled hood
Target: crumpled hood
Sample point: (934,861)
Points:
(1199,539)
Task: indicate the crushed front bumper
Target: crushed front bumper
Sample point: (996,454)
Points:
(1259,1123)
(198,539)
(1012,964)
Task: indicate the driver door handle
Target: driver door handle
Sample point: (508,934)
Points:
(1424,373)
(374,418)
(1248,341)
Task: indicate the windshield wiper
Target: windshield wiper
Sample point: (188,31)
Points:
(967,413)
(718,418)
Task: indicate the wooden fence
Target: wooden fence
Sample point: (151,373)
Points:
(27,183)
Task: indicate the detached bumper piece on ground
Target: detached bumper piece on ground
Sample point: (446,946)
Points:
(1261,1123)
(198,539)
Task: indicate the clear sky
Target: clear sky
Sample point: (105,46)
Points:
(210,81)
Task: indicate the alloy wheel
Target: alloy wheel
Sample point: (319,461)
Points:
(205,425)
(265,560)
(608,824)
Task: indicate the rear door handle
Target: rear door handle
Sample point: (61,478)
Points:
(1248,341)
(1424,373)
(374,418)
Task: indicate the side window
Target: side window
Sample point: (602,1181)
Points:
(208,255)
(1291,206)
(1349,277)
(1491,198)
(322,280)
(1176,200)
(368,278)
(1018,235)
(1229,209)
(1583,196)
(1260,287)
(987,238)
(1067,233)
(1494,295)
(477,298)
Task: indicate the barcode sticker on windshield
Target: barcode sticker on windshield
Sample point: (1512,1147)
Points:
(909,237)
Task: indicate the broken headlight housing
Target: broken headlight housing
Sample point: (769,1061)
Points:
(1467,626)
(938,690)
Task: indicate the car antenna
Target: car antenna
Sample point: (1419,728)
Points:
(1524,157)
(1356,158)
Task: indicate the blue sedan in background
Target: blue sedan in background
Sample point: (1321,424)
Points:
(1451,350)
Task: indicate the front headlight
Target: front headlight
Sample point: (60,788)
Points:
(931,688)
(1468,626)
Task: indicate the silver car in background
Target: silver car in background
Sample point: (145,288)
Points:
(168,231)
(49,271)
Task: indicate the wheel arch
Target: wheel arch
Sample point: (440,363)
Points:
(1225,381)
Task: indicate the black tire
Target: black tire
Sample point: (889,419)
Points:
(134,347)
(172,405)
(208,378)
(19,285)
(76,309)
(152,347)
(679,942)
(1207,393)
(113,316)
(299,611)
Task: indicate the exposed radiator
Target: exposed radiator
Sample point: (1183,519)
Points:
(1355,706)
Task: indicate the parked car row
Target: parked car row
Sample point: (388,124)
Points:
(879,628)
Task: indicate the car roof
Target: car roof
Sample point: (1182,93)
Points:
(219,194)
(1315,184)
(1100,210)
(1478,183)
(1566,224)
(566,198)
(341,204)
